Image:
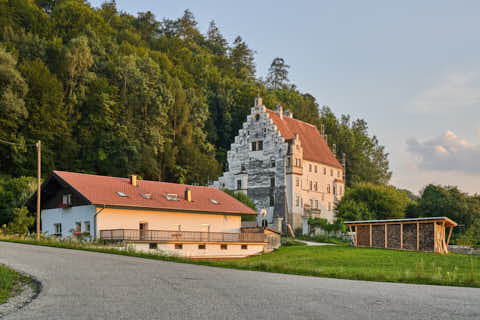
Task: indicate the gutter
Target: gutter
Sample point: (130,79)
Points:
(95,222)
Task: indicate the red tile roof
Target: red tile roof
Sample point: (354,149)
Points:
(314,146)
(102,190)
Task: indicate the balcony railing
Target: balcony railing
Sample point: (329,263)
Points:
(166,235)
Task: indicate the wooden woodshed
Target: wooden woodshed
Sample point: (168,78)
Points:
(417,234)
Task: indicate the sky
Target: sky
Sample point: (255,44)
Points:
(410,68)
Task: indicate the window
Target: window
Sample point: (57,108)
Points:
(244,247)
(272,182)
(272,200)
(328,188)
(325,171)
(260,145)
(310,167)
(254,146)
(121,194)
(316,204)
(223,247)
(315,186)
(78,226)
(178,246)
(67,199)
(153,246)
(311,203)
(288,162)
(272,163)
(257,117)
(297,201)
(243,167)
(171,196)
(311,185)
(202,246)
(338,174)
(316,169)
(301,202)
(297,181)
(58,229)
(86,225)
(331,172)
(334,189)
(239,184)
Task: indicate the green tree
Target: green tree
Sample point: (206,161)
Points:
(278,73)
(369,201)
(14,192)
(21,222)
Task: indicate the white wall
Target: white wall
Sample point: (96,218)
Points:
(67,217)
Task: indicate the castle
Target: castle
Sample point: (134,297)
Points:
(285,166)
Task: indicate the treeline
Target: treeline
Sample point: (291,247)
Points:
(366,201)
(112,93)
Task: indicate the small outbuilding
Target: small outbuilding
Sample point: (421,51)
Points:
(417,234)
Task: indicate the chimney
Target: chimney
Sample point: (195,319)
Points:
(188,194)
(279,110)
(133,180)
(288,113)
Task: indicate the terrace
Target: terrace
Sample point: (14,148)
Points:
(136,235)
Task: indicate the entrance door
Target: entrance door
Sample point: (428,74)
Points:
(143,230)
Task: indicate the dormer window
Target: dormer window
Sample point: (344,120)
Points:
(214,201)
(121,194)
(171,197)
(146,195)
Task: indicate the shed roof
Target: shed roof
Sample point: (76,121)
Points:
(447,221)
(104,190)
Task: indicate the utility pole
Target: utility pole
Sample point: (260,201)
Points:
(39,177)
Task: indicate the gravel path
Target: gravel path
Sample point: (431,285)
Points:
(87,285)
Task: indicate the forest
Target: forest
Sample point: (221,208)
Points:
(112,93)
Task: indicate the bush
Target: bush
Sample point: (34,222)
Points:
(21,222)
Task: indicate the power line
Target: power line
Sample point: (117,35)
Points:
(18,144)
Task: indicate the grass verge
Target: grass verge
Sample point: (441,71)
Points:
(330,261)
(10,281)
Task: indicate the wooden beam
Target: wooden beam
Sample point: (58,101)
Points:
(435,237)
(418,236)
(449,235)
(386,236)
(356,236)
(370,236)
(401,236)
(351,234)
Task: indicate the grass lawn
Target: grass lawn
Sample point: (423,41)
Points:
(8,281)
(333,262)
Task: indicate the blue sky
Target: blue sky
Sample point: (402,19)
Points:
(410,68)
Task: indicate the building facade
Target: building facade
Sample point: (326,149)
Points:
(189,221)
(285,166)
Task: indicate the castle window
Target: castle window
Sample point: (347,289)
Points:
(288,162)
(254,146)
(334,189)
(239,184)
(328,188)
(315,169)
(311,185)
(272,182)
(316,204)
(310,167)
(243,167)
(325,171)
(311,203)
(257,117)
(260,145)
(272,200)
(297,201)
(272,163)
(297,182)
(315,186)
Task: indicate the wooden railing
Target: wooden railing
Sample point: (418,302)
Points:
(166,235)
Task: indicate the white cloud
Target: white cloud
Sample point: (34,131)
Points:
(447,152)
(455,90)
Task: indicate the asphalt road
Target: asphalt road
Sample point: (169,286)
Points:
(86,285)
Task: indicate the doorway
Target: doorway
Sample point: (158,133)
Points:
(143,227)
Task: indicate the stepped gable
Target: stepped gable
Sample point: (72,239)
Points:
(314,146)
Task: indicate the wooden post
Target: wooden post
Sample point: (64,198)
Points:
(351,234)
(449,235)
(444,244)
(434,236)
(356,236)
(39,177)
(386,236)
(370,235)
(418,236)
(401,235)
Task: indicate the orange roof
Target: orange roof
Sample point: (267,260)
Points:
(102,190)
(314,146)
